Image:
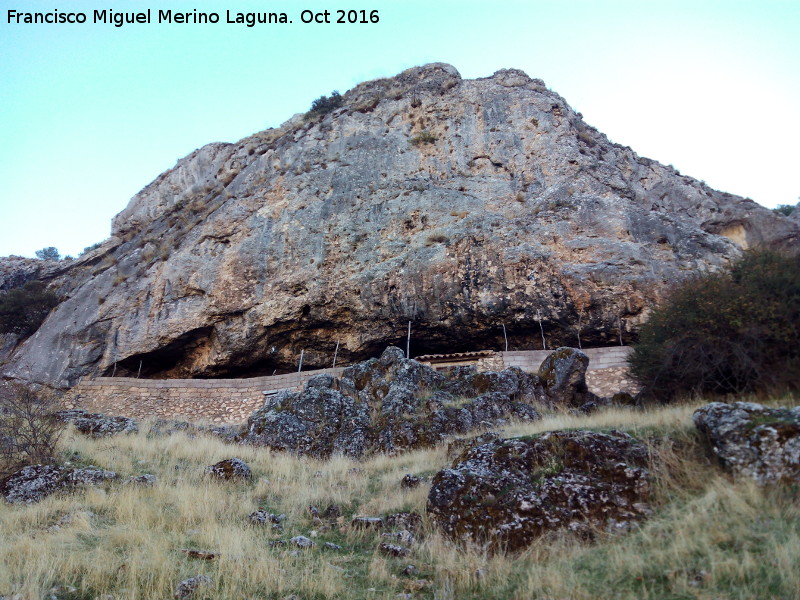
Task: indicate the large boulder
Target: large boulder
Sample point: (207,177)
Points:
(230,469)
(34,482)
(563,373)
(508,492)
(752,440)
(98,425)
(389,404)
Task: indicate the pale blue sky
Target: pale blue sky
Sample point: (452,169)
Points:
(90,114)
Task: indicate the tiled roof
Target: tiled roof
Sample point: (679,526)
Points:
(456,356)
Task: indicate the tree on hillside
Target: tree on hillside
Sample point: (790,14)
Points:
(49,253)
(323,105)
(729,332)
(23,309)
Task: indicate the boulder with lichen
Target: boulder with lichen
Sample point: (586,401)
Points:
(506,493)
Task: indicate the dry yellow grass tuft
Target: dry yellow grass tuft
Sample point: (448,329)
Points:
(711,537)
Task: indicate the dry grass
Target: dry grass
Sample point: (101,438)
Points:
(709,538)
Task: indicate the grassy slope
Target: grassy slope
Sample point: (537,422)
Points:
(710,537)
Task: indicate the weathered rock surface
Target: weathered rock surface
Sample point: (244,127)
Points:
(508,492)
(97,425)
(389,404)
(752,440)
(563,373)
(263,517)
(144,480)
(35,482)
(457,204)
(230,469)
(188,587)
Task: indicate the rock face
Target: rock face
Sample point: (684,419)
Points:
(389,404)
(752,440)
(508,492)
(35,482)
(459,205)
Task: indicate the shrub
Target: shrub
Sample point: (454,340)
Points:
(28,431)
(424,137)
(436,238)
(23,309)
(784,209)
(323,105)
(49,253)
(92,247)
(729,332)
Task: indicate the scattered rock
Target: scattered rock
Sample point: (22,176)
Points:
(332,512)
(97,425)
(167,427)
(90,476)
(70,518)
(403,536)
(61,591)
(301,541)
(229,469)
(409,571)
(404,520)
(201,554)
(145,479)
(32,483)
(393,550)
(410,481)
(331,546)
(187,587)
(367,523)
(262,517)
(508,492)
(752,440)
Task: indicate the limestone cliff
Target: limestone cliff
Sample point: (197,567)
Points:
(459,205)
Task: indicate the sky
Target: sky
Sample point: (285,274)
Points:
(92,113)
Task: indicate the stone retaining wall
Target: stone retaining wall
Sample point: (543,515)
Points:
(599,358)
(212,400)
(233,400)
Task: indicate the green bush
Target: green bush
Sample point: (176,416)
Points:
(424,137)
(784,209)
(323,105)
(23,309)
(729,332)
(49,253)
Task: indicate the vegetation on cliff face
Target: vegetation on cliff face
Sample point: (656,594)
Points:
(729,332)
(23,309)
(708,536)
